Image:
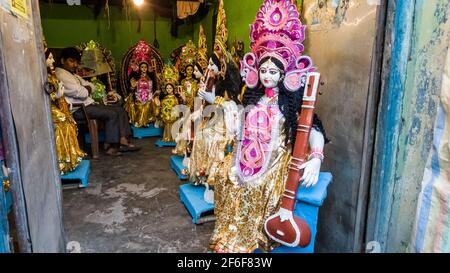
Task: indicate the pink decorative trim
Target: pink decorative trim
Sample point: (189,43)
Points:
(255,149)
(248,71)
(296,78)
(277,31)
(144,87)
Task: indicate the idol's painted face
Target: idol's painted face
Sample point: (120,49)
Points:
(143,67)
(189,71)
(269,74)
(169,89)
(197,73)
(212,66)
(50,61)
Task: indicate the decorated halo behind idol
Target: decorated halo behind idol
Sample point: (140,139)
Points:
(129,64)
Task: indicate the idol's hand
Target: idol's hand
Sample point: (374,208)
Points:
(183,96)
(285,214)
(208,195)
(201,87)
(231,115)
(133,83)
(188,87)
(157,101)
(210,97)
(60,92)
(311,172)
(112,97)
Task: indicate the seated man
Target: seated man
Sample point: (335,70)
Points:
(77,90)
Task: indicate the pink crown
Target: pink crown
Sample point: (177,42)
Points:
(141,54)
(277,32)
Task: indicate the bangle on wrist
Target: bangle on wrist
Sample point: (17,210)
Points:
(316,153)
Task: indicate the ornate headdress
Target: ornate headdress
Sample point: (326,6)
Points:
(141,55)
(170,76)
(237,51)
(220,41)
(202,51)
(188,56)
(278,33)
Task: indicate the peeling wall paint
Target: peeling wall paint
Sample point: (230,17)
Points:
(344,56)
(407,114)
(424,78)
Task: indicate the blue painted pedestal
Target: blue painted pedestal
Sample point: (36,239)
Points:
(149,131)
(192,198)
(176,162)
(80,173)
(308,202)
(5,208)
(101,137)
(161,143)
(8,194)
(9,201)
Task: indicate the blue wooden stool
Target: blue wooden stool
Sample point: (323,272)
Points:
(101,137)
(9,201)
(192,198)
(80,173)
(176,162)
(308,202)
(149,131)
(8,194)
(5,208)
(161,143)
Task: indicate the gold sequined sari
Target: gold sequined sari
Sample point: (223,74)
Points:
(241,208)
(140,114)
(167,105)
(67,148)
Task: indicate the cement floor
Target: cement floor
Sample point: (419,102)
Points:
(132,205)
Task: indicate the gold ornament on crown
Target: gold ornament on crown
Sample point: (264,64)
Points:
(237,51)
(170,76)
(188,56)
(220,41)
(202,51)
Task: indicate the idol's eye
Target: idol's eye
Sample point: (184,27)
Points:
(263,70)
(273,71)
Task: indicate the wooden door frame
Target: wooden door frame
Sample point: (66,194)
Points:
(12,160)
(375,86)
(12,156)
(399,27)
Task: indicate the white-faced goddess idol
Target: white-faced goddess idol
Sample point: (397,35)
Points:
(250,181)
